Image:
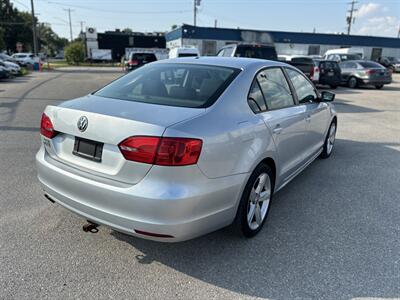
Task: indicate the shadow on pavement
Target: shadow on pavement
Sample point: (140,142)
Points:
(332,233)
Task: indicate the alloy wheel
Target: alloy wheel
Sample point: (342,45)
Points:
(259,200)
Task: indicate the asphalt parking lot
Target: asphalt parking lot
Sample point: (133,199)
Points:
(332,233)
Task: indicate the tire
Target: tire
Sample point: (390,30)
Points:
(255,201)
(352,82)
(379,86)
(329,141)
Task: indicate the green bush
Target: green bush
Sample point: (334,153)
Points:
(74,53)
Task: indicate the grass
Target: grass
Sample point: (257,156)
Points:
(63,63)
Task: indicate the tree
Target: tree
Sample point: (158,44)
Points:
(74,53)
(49,41)
(173,27)
(2,43)
(127,30)
(16,26)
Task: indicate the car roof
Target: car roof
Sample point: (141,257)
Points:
(232,62)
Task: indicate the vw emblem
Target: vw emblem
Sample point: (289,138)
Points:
(82,123)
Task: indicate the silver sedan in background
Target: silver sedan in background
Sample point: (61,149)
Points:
(364,72)
(183,147)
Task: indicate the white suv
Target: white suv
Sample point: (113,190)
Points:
(25,59)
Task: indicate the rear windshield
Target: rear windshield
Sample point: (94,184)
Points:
(302,60)
(187,54)
(370,64)
(185,85)
(144,56)
(256,52)
(330,65)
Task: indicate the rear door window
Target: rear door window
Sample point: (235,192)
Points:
(275,88)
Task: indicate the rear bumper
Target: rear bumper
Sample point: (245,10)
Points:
(376,81)
(179,202)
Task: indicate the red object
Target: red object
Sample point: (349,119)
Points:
(133,62)
(370,71)
(46,127)
(140,148)
(162,151)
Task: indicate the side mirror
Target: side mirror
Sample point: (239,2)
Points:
(327,96)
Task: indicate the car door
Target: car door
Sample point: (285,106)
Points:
(284,119)
(316,112)
(345,67)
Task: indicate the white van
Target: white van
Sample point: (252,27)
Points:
(343,54)
(183,52)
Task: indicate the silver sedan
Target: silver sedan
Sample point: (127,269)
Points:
(180,148)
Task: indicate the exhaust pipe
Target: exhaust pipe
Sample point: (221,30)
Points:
(90,227)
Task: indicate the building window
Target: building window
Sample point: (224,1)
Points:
(313,50)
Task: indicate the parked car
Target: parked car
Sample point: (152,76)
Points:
(13,68)
(4,72)
(249,50)
(329,72)
(364,72)
(303,63)
(137,60)
(183,52)
(389,62)
(6,57)
(344,54)
(182,147)
(25,59)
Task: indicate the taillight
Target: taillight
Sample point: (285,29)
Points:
(163,151)
(370,71)
(140,148)
(46,127)
(133,62)
(178,151)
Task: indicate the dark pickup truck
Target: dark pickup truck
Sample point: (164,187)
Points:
(304,64)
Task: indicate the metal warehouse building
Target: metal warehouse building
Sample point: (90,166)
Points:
(209,40)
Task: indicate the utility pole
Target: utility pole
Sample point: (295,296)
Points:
(70,24)
(215,23)
(195,4)
(81,22)
(350,19)
(35,45)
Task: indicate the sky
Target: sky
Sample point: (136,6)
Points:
(377,17)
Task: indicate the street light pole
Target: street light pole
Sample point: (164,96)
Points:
(35,45)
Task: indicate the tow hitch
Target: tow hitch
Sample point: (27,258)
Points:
(90,227)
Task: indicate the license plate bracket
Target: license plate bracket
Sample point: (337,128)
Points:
(88,149)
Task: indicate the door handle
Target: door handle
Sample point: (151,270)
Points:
(308,118)
(277,129)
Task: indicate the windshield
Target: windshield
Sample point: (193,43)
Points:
(186,85)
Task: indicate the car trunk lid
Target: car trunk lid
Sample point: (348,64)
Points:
(109,122)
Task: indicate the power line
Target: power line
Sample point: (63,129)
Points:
(119,11)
